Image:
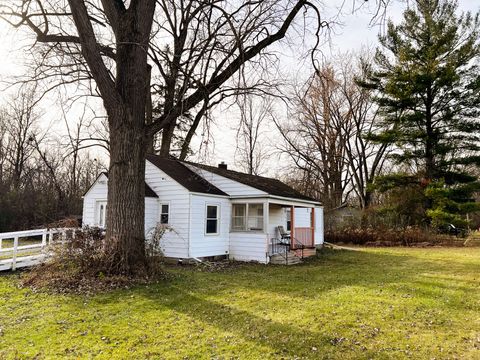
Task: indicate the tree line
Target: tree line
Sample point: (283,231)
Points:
(42,176)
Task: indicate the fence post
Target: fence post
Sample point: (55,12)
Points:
(14,258)
(50,237)
(44,238)
(1,241)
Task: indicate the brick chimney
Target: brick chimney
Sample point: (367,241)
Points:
(222,165)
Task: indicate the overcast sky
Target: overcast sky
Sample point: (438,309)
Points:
(355,32)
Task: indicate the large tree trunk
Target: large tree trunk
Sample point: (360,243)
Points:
(126,197)
(126,185)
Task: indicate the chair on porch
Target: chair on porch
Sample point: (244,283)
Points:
(284,236)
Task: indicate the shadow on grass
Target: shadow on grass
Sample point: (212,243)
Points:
(196,293)
(205,297)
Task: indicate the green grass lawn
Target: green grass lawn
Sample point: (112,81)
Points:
(375,303)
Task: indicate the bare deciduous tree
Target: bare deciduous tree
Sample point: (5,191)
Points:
(315,140)
(329,141)
(365,157)
(252,152)
(21,120)
(37,172)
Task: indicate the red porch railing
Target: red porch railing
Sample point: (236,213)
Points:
(304,236)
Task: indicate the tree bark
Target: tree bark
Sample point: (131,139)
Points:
(167,137)
(126,194)
(126,185)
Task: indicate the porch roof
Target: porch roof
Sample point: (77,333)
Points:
(278,200)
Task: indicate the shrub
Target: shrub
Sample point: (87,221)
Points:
(83,263)
(409,236)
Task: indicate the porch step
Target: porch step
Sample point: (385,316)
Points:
(279,259)
(307,252)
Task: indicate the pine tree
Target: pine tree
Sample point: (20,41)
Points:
(427,75)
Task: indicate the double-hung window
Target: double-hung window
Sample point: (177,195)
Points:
(239,217)
(247,217)
(164,214)
(211,223)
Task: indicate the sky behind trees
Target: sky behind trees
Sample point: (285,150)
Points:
(352,30)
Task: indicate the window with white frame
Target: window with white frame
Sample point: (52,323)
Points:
(164,214)
(211,221)
(247,217)
(101,213)
(239,217)
(288,213)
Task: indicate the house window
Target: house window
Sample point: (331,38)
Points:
(164,214)
(212,219)
(239,212)
(101,215)
(247,217)
(289,219)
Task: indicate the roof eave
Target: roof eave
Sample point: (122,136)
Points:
(276,197)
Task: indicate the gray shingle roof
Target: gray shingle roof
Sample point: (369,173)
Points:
(184,176)
(268,185)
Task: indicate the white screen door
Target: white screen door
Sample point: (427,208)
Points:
(101,213)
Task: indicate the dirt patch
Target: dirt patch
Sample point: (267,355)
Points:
(213,266)
(64,280)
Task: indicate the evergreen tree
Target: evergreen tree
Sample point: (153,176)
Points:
(427,75)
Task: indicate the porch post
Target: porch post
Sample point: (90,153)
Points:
(266,218)
(312,225)
(292,225)
(266,224)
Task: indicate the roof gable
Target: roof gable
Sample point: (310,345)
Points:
(148,190)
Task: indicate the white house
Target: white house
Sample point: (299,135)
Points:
(214,211)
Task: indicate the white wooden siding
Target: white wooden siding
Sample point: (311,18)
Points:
(319,226)
(175,242)
(97,192)
(248,247)
(277,217)
(302,217)
(231,187)
(202,244)
(151,215)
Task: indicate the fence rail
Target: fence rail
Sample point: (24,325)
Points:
(15,255)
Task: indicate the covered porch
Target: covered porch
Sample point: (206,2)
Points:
(282,224)
(296,233)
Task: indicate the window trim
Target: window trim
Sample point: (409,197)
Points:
(245,229)
(161,203)
(217,219)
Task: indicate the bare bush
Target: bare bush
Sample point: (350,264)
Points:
(83,263)
(409,236)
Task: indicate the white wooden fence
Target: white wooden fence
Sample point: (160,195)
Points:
(33,252)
